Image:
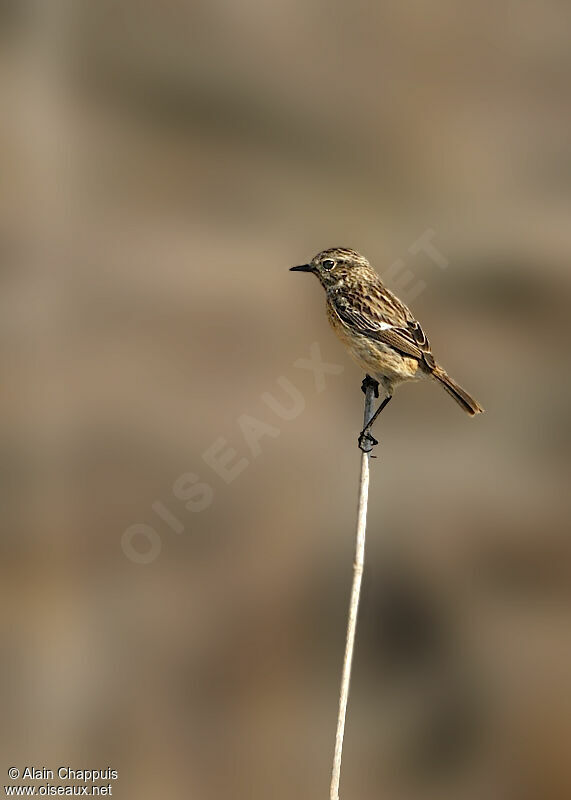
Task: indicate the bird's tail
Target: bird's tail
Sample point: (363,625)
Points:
(462,397)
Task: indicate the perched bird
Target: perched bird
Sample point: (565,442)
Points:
(378,330)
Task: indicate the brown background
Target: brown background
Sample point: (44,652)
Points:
(163,164)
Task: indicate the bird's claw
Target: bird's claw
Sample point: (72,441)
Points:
(368,381)
(367,441)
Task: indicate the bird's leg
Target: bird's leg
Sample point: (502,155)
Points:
(368,381)
(366,440)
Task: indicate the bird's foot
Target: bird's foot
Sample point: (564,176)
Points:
(368,381)
(366,441)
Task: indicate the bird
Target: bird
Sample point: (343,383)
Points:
(379,331)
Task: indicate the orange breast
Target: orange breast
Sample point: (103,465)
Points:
(376,358)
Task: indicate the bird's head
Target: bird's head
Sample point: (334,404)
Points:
(337,266)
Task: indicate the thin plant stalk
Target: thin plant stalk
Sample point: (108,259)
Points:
(355,595)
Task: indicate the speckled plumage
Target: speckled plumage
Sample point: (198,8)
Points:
(378,330)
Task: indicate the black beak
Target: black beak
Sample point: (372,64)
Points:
(302,268)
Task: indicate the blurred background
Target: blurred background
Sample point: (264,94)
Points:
(176,550)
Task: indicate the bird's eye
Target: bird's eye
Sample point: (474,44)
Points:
(328,263)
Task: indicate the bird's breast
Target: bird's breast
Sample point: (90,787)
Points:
(376,358)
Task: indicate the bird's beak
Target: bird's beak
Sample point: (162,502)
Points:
(302,268)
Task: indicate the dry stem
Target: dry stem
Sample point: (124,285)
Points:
(354,604)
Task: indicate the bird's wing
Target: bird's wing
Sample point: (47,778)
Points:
(383,318)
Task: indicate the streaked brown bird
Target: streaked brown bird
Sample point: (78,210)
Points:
(378,330)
